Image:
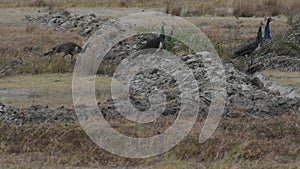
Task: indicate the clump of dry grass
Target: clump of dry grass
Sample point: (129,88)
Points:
(237,141)
(176,7)
(38,3)
(262,8)
(28,45)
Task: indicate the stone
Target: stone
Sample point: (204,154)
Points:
(85,25)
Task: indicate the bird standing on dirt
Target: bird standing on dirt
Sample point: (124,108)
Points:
(259,36)
(69,48)
(253,45)
(157,43)
(169,43)
(267,29)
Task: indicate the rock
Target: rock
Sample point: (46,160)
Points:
(36,114)
(246,95)
(85,25)
(273,87)
(257,82)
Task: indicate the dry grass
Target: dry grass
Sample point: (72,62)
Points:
(242,142)
(28,43)
(187,7)
(226,33)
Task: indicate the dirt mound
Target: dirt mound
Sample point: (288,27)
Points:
(245,96)
(36,114)
(63,20)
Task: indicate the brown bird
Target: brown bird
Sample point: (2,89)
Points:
(69,48)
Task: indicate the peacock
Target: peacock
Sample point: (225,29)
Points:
(169,43)
(156,43)
(258,66)
(253,45)
(259,37)
(267,29)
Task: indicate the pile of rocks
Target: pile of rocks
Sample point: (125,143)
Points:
(296,28)
(85,25)
(36,114)
(245,95)
(251,95)
(275,62)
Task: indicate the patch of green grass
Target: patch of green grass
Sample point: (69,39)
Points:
(47,89)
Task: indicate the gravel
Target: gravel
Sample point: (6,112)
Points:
(246,95)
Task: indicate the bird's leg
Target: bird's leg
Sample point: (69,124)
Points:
(251,60)
(65,55)
(72,59)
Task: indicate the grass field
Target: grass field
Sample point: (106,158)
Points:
(29,42)
(198,7)
(241,142)
(245,141)
(53,90)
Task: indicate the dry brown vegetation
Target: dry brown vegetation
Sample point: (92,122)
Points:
(186,7)
(241,142)
(244,141)
(28,43)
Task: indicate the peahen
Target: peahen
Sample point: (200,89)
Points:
(250,47)
(69,48)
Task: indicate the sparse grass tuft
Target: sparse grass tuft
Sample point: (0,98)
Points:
(242,142)
(28,44)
